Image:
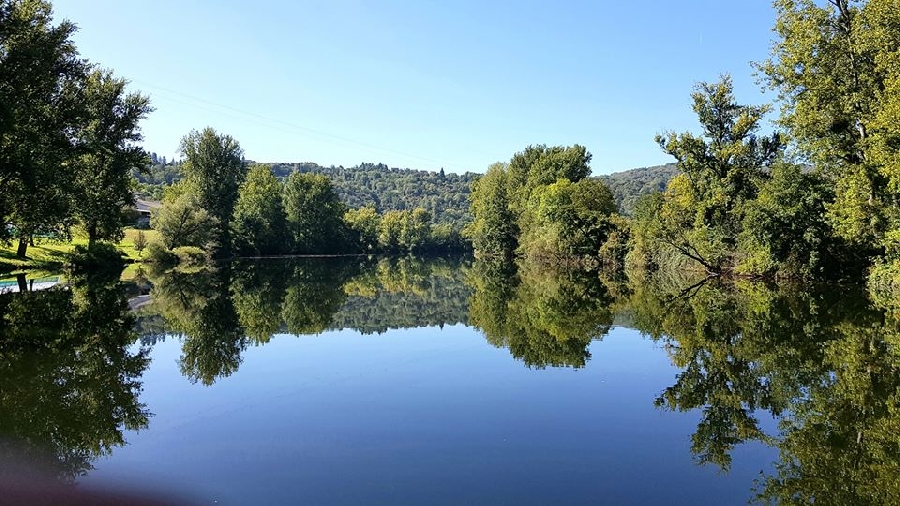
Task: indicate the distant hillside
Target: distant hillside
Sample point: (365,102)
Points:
(446,196)
(629,185)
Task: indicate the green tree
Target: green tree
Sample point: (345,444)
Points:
(363,225)
(108,154)
(259,224)
(493,230)
(571,219)
(835,69)
(702,211)
(40,76)
(389,231)
(314,214)
(140,241)
(415,232)
(214,169)
(541,165)
(784,232)
(181,222)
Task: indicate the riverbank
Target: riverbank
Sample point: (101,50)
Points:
(52,255)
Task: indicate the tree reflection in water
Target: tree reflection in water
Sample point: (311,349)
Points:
(824,362)
(70,379)
(545,318)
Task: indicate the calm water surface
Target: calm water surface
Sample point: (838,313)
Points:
(402,381)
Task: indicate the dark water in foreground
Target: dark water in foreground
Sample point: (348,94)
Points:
(402,381)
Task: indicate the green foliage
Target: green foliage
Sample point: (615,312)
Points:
(363,225)
(109,154)
(703,208)
(190,256)
(544,317)
(823,362)
(389,231)
(71,377)
(219,312)
(140,241)
(40,82)
(99,257)
(181,222)
(314,214)
(445,196)
(259,223)
(493,231)
(540,166)
(541,205)
(737,207)
(785,232)
(214,170)
(630,185)
(159,255)
(572,219)
(835,68)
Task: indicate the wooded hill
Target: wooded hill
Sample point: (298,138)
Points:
(627,186)
(444,196)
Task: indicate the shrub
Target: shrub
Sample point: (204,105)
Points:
(158,254)
(190,256)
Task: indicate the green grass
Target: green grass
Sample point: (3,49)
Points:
(51,255)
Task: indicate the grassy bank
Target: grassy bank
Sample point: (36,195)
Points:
(51,255)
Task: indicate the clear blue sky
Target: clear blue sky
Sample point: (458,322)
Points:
(423,83)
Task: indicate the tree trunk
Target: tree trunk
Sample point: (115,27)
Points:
(23,284)
(23,247)
(92,234)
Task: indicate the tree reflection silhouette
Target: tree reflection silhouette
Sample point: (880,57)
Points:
(70,381)
(824,362)
(544,317)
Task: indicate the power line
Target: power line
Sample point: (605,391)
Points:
(272,122)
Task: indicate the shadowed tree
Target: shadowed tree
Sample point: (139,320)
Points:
(108,155)
(40,106)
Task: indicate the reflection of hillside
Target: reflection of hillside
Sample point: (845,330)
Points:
(404,294)
(218,312)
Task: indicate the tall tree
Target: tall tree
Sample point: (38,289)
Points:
(493,230)
(214,169)
(363,224)
(573,219)
(314,214)
(702,211)
(835,68)
(259,223)
(108,155)
(40,74)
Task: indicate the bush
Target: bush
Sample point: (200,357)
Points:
(190,256)
(158,254)
(101,257)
